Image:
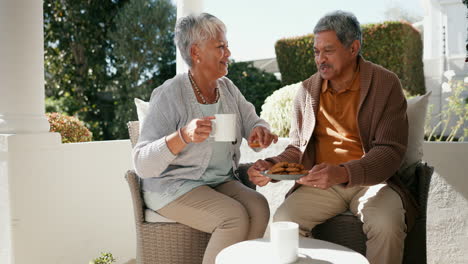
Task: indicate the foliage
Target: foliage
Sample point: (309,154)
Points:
(254,84)
(70,128)
(63,104)
(454,115)
(396,46)
(75,55)
(295,57)
(93,60)
(105,258)
(144,55)
(278,109)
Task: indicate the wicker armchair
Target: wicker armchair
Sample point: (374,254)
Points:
(161,240)
(346,229)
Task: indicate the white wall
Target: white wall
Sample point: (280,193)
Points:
(447,212)
(70,201)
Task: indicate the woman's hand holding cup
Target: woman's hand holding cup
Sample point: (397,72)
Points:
(197,130)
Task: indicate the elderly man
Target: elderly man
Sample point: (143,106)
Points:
(350,131)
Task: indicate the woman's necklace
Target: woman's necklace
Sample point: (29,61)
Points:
(197,90)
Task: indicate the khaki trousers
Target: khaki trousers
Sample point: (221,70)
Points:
(231,212)
(379,208)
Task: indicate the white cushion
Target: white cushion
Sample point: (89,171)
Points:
(153,217)
(142,110)
(150,215)
(416,111)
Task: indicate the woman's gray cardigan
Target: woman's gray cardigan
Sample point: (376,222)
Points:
(172,106)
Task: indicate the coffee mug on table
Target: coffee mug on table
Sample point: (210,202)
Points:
(285,241)
(224,127)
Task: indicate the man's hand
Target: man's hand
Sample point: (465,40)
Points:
(263,136)
(254,172)
(324,176)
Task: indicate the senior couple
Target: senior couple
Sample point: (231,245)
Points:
(349,130)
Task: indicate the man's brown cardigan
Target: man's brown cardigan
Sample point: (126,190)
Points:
(383,128)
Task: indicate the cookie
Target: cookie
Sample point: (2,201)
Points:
(296,165)
(283,164)
(254,144)
(296,172)
(289,169)
(276,170)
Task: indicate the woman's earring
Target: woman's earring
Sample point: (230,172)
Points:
(198,61)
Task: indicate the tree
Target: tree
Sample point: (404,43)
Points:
(96,59)
(76,50)
(143,55)
(255,84)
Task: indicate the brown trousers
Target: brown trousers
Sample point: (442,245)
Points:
(379,208)
(231,212)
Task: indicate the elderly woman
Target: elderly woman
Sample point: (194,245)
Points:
(187,176)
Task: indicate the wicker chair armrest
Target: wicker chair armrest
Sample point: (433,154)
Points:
(138,206)
(423,174)
(133,131)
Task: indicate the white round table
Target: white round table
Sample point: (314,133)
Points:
(310,251)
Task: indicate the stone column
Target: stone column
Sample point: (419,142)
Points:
(22,68)
(185,7)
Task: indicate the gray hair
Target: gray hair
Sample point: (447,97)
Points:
(345,25)
(194,29)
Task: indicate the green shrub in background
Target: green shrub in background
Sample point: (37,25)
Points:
(278,109)
(454,114)
(396,46)
(295,57)
(254,84)
(70,128)
(64,104)
(105,258)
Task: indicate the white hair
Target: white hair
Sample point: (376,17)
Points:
(195,29)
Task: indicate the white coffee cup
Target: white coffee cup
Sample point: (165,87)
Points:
(285,241)
(224,127)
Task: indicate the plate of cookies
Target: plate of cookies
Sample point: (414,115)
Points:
(285,171)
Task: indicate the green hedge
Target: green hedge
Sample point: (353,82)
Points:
(396,46)
(295,57)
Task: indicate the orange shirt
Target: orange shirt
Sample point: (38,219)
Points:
(336,134)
